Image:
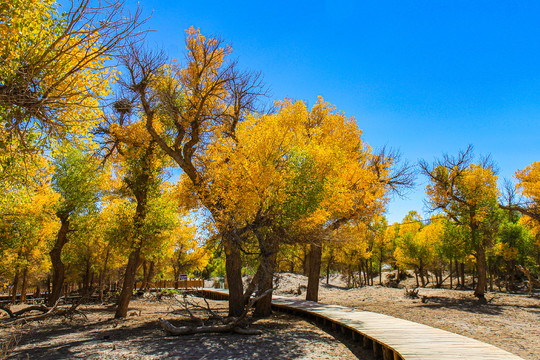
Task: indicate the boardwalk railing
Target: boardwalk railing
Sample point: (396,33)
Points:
(153,286)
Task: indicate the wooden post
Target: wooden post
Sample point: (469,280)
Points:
(366,342)
(388,354)
(377,349)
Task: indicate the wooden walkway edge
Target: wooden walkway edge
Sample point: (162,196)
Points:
(389,337)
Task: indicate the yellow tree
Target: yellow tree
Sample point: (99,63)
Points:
(53,70)
(139,165)
(467,193)
(185,107)
(27,227)
(286,175)
(528,184)
(77,180)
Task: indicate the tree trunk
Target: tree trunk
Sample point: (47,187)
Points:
(24,284)
(233,267)
(328,270)
(86,279)
(151,268)
(144,284)
(315,257)
(481,269)
(450,266)
(263,307)
(380,268)
(15,287)
(102,274)
(305,262)
(462,265)
(56,261)
(129,283)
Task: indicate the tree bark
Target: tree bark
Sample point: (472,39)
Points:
(24,284)
(86,279)
(462,265)
(268,248)
(233,267)
(15,286)
(150,274)
(481,269)
(315,257)
(56,261)
(129,283)
(144,283)
(380,268)
(102,274)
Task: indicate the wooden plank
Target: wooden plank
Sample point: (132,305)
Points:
(403,339)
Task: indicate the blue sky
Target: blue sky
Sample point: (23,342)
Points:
(424,77)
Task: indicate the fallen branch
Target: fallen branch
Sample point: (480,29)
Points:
(7,310)
(235,325)
(41,308)
(47,313)
(412,294)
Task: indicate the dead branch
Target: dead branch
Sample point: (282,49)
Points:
(412,294)
(7,310)
(235,325)
(47,313)
(41,308)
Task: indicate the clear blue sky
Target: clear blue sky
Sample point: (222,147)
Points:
(425,77)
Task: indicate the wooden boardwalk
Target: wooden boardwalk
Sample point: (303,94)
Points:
(389,337)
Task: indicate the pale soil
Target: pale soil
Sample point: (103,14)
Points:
(140,337)
(508,321)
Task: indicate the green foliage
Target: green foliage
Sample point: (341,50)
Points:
(304,187)
(76,179)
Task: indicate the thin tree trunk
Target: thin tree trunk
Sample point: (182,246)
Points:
(328,270)
(315,257)
(450,266)
(144,284)
(380,268)
(86,279)
(15,287)
(24,284)
(102,274)
(462,265)
(151,268)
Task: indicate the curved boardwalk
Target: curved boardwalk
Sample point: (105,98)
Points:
(391,338)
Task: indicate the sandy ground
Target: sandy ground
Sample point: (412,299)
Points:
(140,337)
(509,321)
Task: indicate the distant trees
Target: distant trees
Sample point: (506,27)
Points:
(467,193)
